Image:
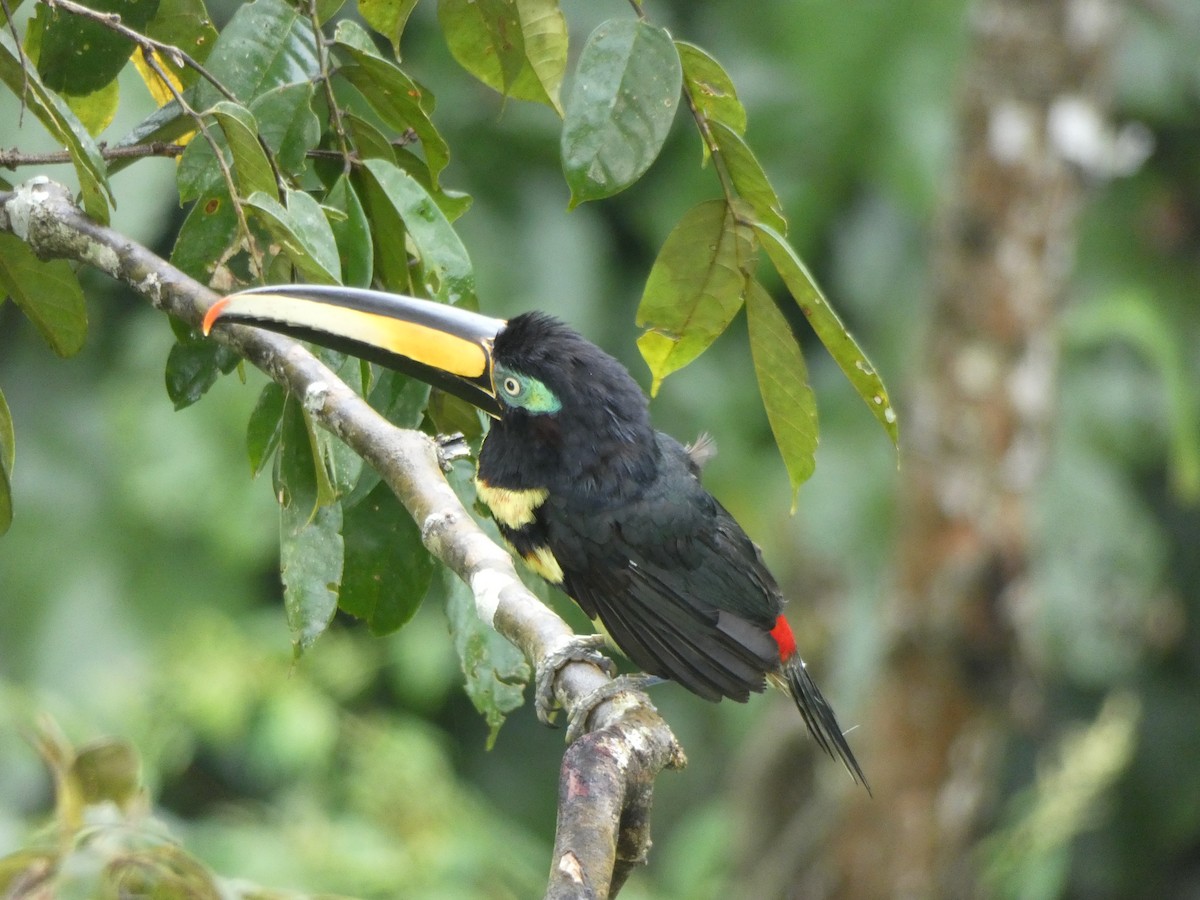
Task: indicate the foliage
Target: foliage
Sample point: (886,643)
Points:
(261,213)
(158,628)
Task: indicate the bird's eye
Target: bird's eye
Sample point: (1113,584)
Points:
(512,387)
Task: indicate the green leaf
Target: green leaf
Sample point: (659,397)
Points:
(495,672)
(294,478)
(485,37)
(47,292)
(695,287)
(452,203)
(251,170)
(8,456)
(264,428)
(448,274)
(620,107)
(8,440)
(207,234)
(310,566)
(516,47)
(78,56)
(311,548)
(302,232)
(327,9)
(711,88)
(191,370)
(783,382)
(199,173)
(290,129)
(368,141)
(351,232)
(288,125)
(402,401)
(387,233)
(12,6)
(63,125)
(388,17)
(749,178)
(544,29)
(829,328)
(184,24)
(97,109)
(388,570)
(399,101)
(266,44)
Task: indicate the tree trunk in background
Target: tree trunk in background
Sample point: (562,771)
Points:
(979,422)
(979,425)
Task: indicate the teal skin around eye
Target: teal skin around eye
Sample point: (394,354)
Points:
(531,394)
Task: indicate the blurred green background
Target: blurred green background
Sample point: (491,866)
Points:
(138,586)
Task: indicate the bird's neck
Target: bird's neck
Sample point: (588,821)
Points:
(603,462)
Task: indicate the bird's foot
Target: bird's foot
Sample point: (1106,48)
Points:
(581,648)
(451,447)
(619,685)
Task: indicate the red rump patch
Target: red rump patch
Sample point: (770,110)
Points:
(782,632)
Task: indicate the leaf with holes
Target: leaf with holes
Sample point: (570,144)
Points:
(711,88)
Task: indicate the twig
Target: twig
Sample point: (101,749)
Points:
(12,26)
(607,776)
(14,158)
(335,112)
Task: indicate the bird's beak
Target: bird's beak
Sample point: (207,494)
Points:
(442,345)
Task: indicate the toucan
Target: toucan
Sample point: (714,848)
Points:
(583,488)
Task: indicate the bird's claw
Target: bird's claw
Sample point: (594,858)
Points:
(577,726)
(582,648)
(451,447)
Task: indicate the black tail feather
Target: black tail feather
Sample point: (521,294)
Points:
(819,717)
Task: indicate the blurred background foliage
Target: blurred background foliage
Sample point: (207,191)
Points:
(138,585)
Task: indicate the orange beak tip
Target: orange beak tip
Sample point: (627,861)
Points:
(211,316)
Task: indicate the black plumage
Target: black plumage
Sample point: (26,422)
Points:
(641,544)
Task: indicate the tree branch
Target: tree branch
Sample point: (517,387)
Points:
(14,158)
(607,776)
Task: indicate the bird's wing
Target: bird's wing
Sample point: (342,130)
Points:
(677,584)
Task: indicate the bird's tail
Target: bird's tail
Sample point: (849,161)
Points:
(818,715)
